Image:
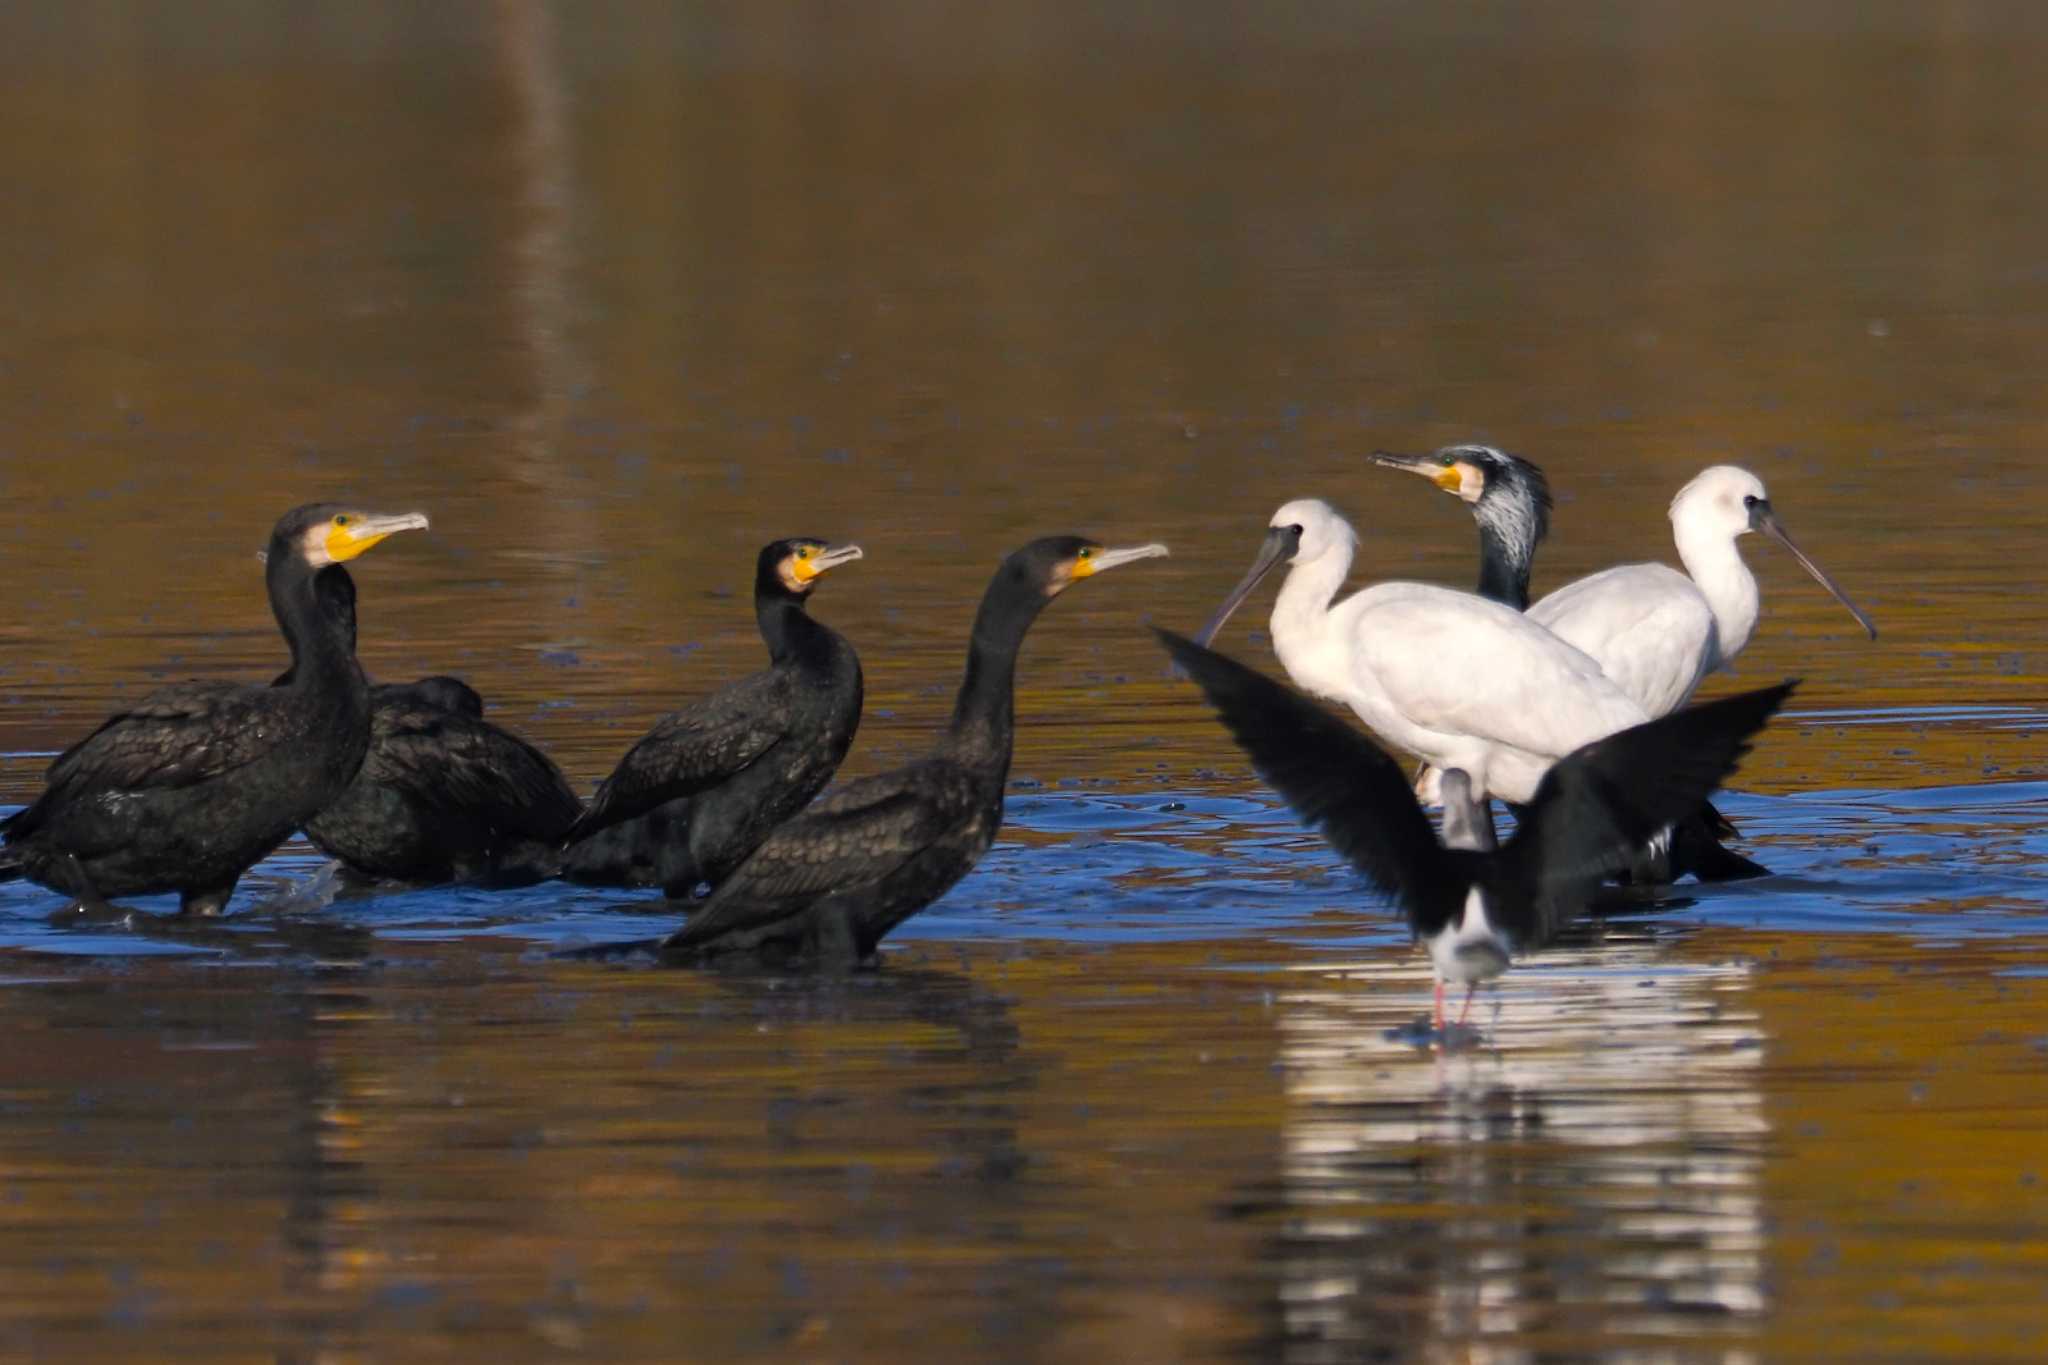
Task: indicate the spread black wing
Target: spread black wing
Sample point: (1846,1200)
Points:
(1605,800)
(1336,779)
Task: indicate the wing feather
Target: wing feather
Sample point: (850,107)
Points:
(1608,799)
(176,737)
(450,761)
(850,840)
(1336,779)
(694,749)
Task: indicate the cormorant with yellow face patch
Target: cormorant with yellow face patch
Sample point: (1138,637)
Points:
(189,787)
(1510,501)
(706,785)
(829,884)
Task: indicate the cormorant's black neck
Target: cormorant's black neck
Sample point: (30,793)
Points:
(1503,567)
(786,627)
(984,714)
(1513,513)
(316,610)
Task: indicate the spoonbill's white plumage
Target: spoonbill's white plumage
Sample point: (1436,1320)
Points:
(1657,632)
(1472,903)
(1509,498)
(1458,680)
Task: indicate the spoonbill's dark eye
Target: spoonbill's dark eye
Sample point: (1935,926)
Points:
(1294,528)
(1750,499)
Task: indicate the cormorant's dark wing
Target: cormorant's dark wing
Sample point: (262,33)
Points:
(1603,801)
(694,749)
(848,841)
(175,737)
(439,691)
(450,761)
(1336,779)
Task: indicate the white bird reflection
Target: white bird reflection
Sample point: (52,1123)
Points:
(1586,1182)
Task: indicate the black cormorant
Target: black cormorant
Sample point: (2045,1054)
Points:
(693,798)
(1472,902)
(1510,501)
(443,794)
(186,789)
(829,884)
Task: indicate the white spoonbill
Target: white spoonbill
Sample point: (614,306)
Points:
(1510,501)
(1457,680)
(1657,632)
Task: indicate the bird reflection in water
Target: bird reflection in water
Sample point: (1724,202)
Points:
(1552,1192)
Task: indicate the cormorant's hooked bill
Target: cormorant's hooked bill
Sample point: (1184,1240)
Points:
(806,560)
(1441,467)
(346,534)
(1095,559)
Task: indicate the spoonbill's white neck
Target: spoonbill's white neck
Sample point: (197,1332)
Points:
(1710,556)
(1301,612)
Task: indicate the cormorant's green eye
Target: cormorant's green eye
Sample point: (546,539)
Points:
(803,552)
(1087,552)
(341,520)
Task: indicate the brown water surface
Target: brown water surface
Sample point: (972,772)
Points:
(618,292)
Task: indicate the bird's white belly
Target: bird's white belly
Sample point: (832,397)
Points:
(1470,950)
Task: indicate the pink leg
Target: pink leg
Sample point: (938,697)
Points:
(1439,1007)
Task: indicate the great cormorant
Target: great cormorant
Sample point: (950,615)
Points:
(1510,500)
(187,788)
(692,799)
(829,884)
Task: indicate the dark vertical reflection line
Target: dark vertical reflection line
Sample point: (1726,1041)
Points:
(543,288)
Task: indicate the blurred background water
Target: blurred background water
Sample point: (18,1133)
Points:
(618,292)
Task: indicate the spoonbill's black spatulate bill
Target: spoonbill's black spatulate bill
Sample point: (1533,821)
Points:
(186,789)
(693,798)
(1658,632)
(828,886)
(1476,906)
